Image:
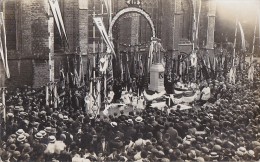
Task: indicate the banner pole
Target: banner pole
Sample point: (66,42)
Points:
(3,103)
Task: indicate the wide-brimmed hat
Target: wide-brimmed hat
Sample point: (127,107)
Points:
(38,135)
(17,108)
(65,117)
(241,151)
(213,155)
(22,113)
(52,139)
(139,119)
(43,133)
(251,153)
(117,139)
(113,124)
(10,115)
(129,121)
(35,123)
(48,129)
(188,138)
(21,138)
(19,132)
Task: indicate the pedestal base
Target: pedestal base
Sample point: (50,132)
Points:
(157,78)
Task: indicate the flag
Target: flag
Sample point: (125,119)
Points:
(81,74)
(204,69)
(193,58)
(243,43)
(3,48)
(103,64)
(259,25)
(141,68)
(232,75)
(62,77)
(108,5)
(110,70)
(194,25)
(54,4)
(251,73)
(197,29)
(99,22)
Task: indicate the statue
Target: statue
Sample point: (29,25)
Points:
(156,67)
(155,52)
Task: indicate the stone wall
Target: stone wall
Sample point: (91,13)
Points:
(29,61)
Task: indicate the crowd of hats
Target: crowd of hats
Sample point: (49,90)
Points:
(226,130)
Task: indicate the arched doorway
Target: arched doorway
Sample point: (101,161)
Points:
(130,65)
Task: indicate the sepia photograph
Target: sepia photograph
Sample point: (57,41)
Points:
(129,80)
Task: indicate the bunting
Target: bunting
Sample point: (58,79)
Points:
(99,22)
(3,48)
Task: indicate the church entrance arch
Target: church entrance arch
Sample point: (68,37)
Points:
(131,10)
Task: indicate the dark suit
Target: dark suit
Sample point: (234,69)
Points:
(103,148)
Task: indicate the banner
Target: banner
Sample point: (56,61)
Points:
(251,73)
(54,4)
(259,24)
(3,48)
(108,5)
(99,22)
(243,41)
(103,64)
(194,59)
(198,22)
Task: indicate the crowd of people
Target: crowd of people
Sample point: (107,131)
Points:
(227,129)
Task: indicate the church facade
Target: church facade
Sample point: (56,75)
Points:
(28,32)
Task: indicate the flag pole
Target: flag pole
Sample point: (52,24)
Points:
(51,51)
(102,50)
(253,48)
(92,92)
(235,41)
(3,103)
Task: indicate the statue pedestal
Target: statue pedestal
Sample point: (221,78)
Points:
(157,77)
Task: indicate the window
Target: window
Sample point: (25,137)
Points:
(186,25)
